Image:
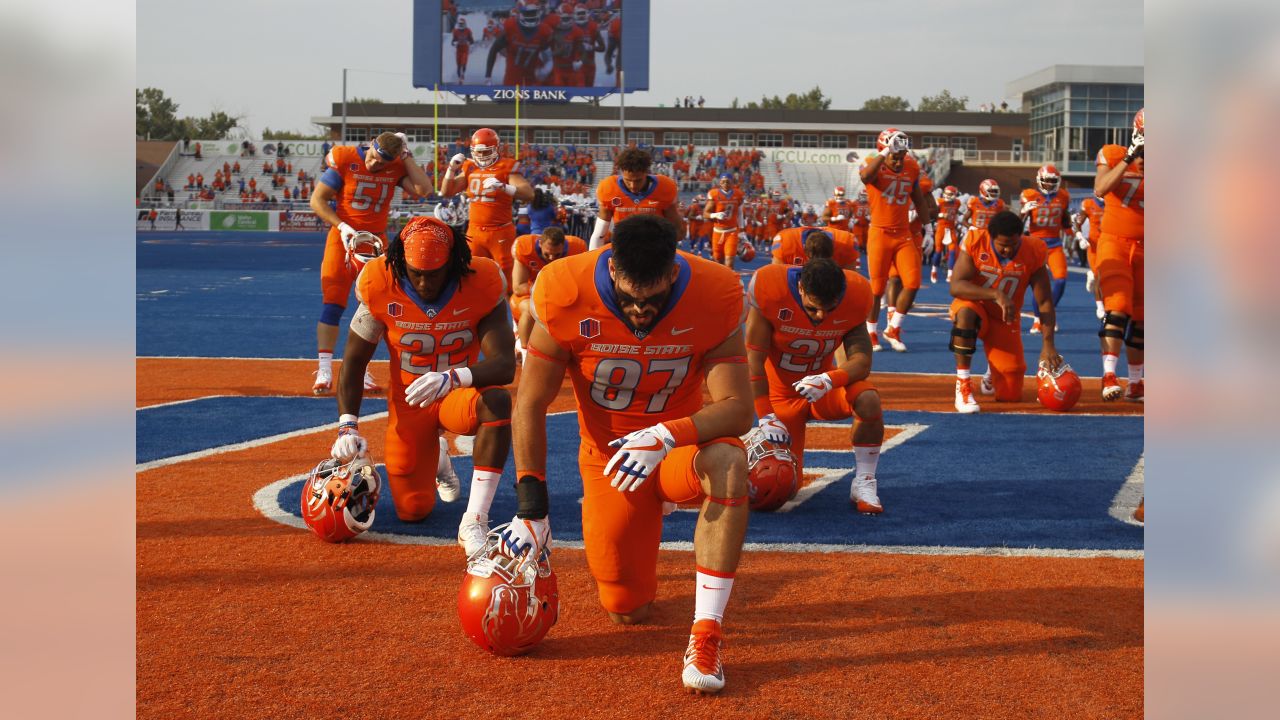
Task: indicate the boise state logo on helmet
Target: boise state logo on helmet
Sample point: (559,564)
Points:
(1058,390)
(507,605)
(338,499)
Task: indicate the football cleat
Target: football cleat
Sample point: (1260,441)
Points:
(324,381)
(1058,390)
(772,478)
(1111,389)
(447,484)
(371,385)
(338,499)
(949,271)
(703,671)
(894,336)
(933,274)
(1134,392)
(472,532)
(985,386)
(862,494)
(507,605)
(1035,326)
(875,341)
(965,403)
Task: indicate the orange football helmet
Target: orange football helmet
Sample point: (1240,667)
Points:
(1140,122)
(507,605)
(364,247)
(1060,390)
(338,499)
(747,252)
(772,477)
(989,190)
(484,147)
(839,191)
(882,141)
(950,192)
(1048,179)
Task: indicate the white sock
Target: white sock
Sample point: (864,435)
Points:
(871,327)
(962,373)
(866,457)
(1100,310)
(1135,373)
(1109,362)
(987,375)
(484,485)
(326,361)
(889,313)
(444,469)
(712,595)
(896,320)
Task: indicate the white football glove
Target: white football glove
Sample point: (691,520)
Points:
(898,143)
(1030,207)
(838,218)
(773,429)
(637,456)
(492,184)
(433,386)
(813,387)
(526,537)
(1084,241)
(456,161)
(404,147)
(346,232)
(716,216)
(349,445)
(912,214)
(1136,146)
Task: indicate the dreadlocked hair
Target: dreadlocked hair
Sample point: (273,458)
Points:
(459,264)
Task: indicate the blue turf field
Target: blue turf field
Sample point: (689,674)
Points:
(229,294)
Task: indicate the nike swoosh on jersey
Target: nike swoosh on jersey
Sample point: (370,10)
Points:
(680,331)
(841,322)
(460,311)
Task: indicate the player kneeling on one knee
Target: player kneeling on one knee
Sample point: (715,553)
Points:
(995,267)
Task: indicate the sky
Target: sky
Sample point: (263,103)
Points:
(279,63)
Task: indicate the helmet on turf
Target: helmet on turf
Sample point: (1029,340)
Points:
(950,192)
(338,499)
(529,13)
(1058,390)
(507,604)
(484,147)
(581,15)
(989,190)
(747,252)
(364,246)
(772,478)
(839,191)
(882,141)
(1048,178)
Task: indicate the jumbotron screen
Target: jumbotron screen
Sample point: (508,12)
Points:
(553,51)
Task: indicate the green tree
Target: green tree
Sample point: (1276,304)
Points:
(811,100)
(215,127)
(157,115)
(364,101)
(943,102)
(887,102)
(317,133)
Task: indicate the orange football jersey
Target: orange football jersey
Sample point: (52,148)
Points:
(528,252)
(948,211)
(1093,211)
(364,198)
(489,208)
(1045,222)
(423,337)
(980,213)
(839,207)
(625,380)
(800,347)
(1011,276)
(1124,208)
(788,245)
(889,193)
(660,193)
(727,203)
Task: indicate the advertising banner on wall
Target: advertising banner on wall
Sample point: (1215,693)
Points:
(170,219)
(301,221)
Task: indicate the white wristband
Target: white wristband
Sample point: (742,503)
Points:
(347,418)
(464,376)
(509,189)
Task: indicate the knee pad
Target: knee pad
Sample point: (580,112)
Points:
(1113,325)
(967,334)
(1133,335)
(331,313)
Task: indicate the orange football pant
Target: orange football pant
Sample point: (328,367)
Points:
(794,411)
(413,446)
(495,243)
(337,274)
(1120,267)
(724,243)
(896,247)
(1002,342)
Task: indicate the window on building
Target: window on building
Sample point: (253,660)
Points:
(835,141)
(933,141)
(804,140)
(866,142)
(675,138)
(967,143)
(357,134)
(577,137)
(546,137)
(508,136)
(770,140)
(742,139)
(640,137)
(609,137)
(706,138)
